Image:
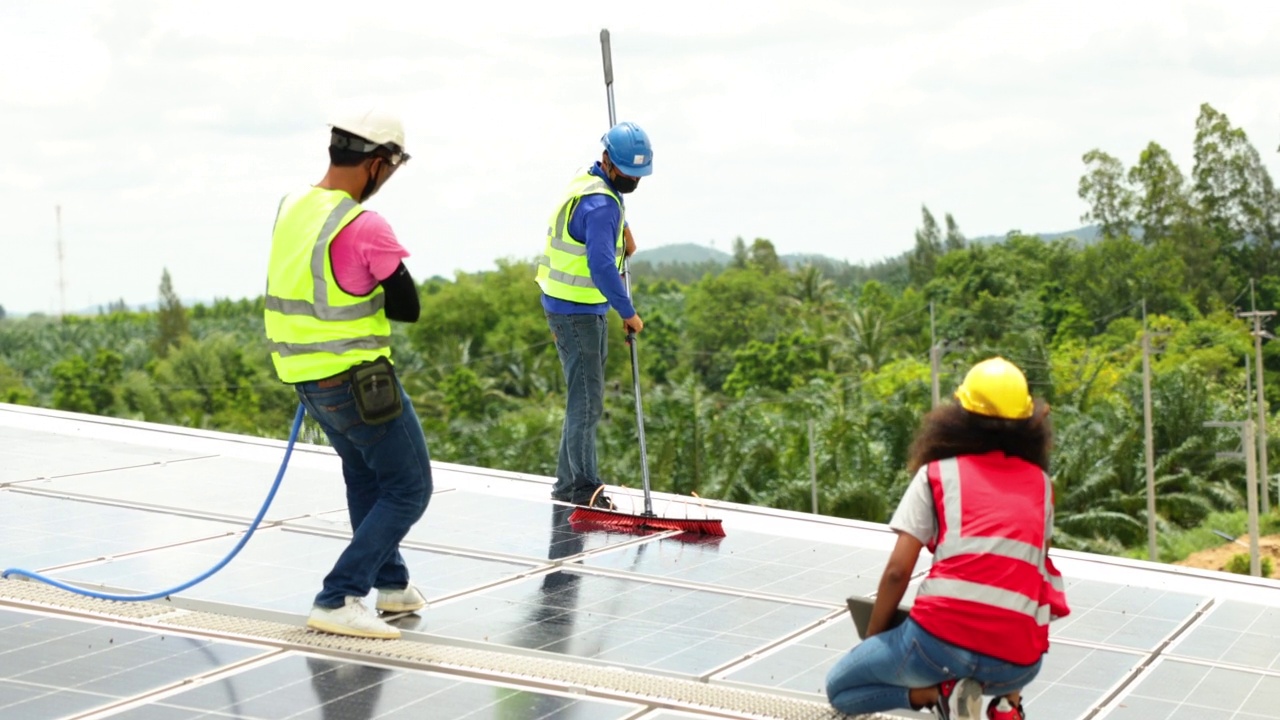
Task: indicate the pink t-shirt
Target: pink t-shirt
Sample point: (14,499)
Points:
(365,253)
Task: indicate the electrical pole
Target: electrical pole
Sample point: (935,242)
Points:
(933,356)
(1251,485)
(1258,334)
(1148,437)
(813,467)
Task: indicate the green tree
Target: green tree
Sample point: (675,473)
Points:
(928,248)
(779,366)
(955,239)
(1104,188)
(172,322)
(1161,202)
(764,258)
(1235,193)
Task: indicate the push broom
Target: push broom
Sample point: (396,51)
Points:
(614,519)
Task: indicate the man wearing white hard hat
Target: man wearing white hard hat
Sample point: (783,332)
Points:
(335,282)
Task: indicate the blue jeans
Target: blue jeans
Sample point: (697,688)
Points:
(582,342)
(388,477)
(877,673)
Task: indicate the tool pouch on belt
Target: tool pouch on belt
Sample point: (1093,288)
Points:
(377,392)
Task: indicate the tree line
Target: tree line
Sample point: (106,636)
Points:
(739,362)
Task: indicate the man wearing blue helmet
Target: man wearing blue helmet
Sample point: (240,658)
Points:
(580,276)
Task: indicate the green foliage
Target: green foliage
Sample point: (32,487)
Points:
(171,317)
(1239,564)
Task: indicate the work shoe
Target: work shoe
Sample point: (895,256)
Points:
(1001,709)
(587,498)
(352,619)
(403,600)
(594,497)
(959,700)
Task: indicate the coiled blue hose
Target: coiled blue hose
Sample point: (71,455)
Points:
(293,436)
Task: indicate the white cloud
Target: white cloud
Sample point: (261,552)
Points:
(169,130)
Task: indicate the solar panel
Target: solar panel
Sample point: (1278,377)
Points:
(653,626)
(54,667)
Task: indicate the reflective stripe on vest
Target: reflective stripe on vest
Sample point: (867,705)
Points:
(562,270)
(314,328)
(320,307)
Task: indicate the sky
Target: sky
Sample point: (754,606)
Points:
(167,132)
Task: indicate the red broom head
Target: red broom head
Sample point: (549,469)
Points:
(609,519)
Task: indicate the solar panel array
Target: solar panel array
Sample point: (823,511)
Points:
(131,507)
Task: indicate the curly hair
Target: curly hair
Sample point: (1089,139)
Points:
(949,431)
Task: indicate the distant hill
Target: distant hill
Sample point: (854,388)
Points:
(1087,235)
(682,254)
(694,254)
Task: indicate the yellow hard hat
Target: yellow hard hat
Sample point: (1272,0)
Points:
(997,388)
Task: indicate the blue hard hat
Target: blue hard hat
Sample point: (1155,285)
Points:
(629,149)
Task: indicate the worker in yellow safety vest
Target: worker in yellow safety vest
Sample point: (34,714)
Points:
(587,239)
(335,281)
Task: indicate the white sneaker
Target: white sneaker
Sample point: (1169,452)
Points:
(352,619)
(407,600)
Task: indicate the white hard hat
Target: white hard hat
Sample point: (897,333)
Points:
(377,127)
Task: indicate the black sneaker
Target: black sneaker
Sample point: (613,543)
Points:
(593,497)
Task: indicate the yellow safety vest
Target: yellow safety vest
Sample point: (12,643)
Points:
(562,270)
(314,329)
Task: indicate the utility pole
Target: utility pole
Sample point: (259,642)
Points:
(1258,334)
(933,356)
(813,467)
(1148,437)
(1251,485)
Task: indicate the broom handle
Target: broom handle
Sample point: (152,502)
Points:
(607,54)
(635,386)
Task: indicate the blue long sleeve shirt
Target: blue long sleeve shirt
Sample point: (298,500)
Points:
(595,221)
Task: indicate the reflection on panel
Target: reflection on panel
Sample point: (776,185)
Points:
(219,486)
(1185,691)
(279,570)
(39,532)
(760,563)
(312,688)
(620,620)
(1236,633)
(493,524)
(54,667)
(1123,615)
(27,455)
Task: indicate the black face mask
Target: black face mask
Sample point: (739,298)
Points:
(625,184)
(370,186)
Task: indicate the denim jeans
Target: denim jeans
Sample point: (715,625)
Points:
(877,673)
(388,477)
(582,342)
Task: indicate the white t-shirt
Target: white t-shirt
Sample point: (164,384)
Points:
(915,514)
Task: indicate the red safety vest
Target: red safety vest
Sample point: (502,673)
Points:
(992,588)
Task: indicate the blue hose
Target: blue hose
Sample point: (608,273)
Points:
(293,436)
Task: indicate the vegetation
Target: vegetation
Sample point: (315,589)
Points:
(740,361)
(1239,564)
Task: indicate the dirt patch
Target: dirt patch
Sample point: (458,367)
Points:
(1216,558)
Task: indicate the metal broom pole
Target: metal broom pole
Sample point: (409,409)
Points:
(626,278)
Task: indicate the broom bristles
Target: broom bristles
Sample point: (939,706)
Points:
(623,521)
